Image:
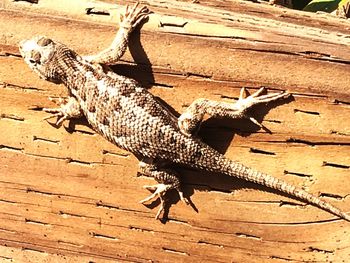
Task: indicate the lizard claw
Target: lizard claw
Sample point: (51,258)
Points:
(70,108)
(132,17)
(159,191)
(57,112)
(244,102)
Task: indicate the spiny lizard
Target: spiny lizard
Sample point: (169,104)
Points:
(129,116)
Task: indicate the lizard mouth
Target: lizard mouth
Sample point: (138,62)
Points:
(25,48)
(20,47)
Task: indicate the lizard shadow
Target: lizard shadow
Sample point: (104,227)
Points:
(141,69)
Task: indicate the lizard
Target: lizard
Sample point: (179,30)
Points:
(129,116)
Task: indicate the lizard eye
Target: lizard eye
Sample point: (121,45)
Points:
(35,57)
(44,41)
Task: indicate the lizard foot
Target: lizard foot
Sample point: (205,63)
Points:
(69,109)
(189,122)
(244,102)
(133,16)
(167,180)
(160,191)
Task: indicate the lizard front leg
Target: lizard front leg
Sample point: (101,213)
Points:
(129,20)
(68,110)
(166,179)
(190,120)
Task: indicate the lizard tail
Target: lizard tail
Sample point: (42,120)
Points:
(238,170)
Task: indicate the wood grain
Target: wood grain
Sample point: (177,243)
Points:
(67,195)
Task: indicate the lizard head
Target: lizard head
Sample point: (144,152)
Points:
(39,53)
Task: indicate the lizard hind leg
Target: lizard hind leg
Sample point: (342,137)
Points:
(166,179)
(190,120)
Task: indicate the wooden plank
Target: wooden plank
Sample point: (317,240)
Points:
(68,195)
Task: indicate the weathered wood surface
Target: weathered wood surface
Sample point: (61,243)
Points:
(67,195)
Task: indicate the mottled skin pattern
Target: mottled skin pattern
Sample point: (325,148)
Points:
(129,116)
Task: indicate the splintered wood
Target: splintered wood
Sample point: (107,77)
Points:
(67,195)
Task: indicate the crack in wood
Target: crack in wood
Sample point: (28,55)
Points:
(18,87)
(333,196)
(36,138)
(170,250)
(203,242)
(59,195)
(339,133)
(6,258)
(300,223)
(29,1)
(169,24)
(8,231)
(196,75)
(183,74)
(305,54)
(273,121)
(160,85)
(10,54)
(96,11)
(311,143)
(297,174)
(10,148)
(121,154)
(282,258)
(139,229)
(259,151)
(69,244)
(71,160)
(333,60)
(67,215)
(100,204)
(11,117)
(292,204)
(91,133)
(319,250)
(35,222)
(8,201)
(223,96)
(314,54)
(107,206)
(339,102)
(25,245)
(30,190)
(178,221)
(309,95)
(79,162)
(103,236)
(307,112)
(336,165)
(85,132)
(36,108)
(250,236)
(34,250)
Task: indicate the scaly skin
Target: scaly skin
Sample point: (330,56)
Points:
(129,116)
